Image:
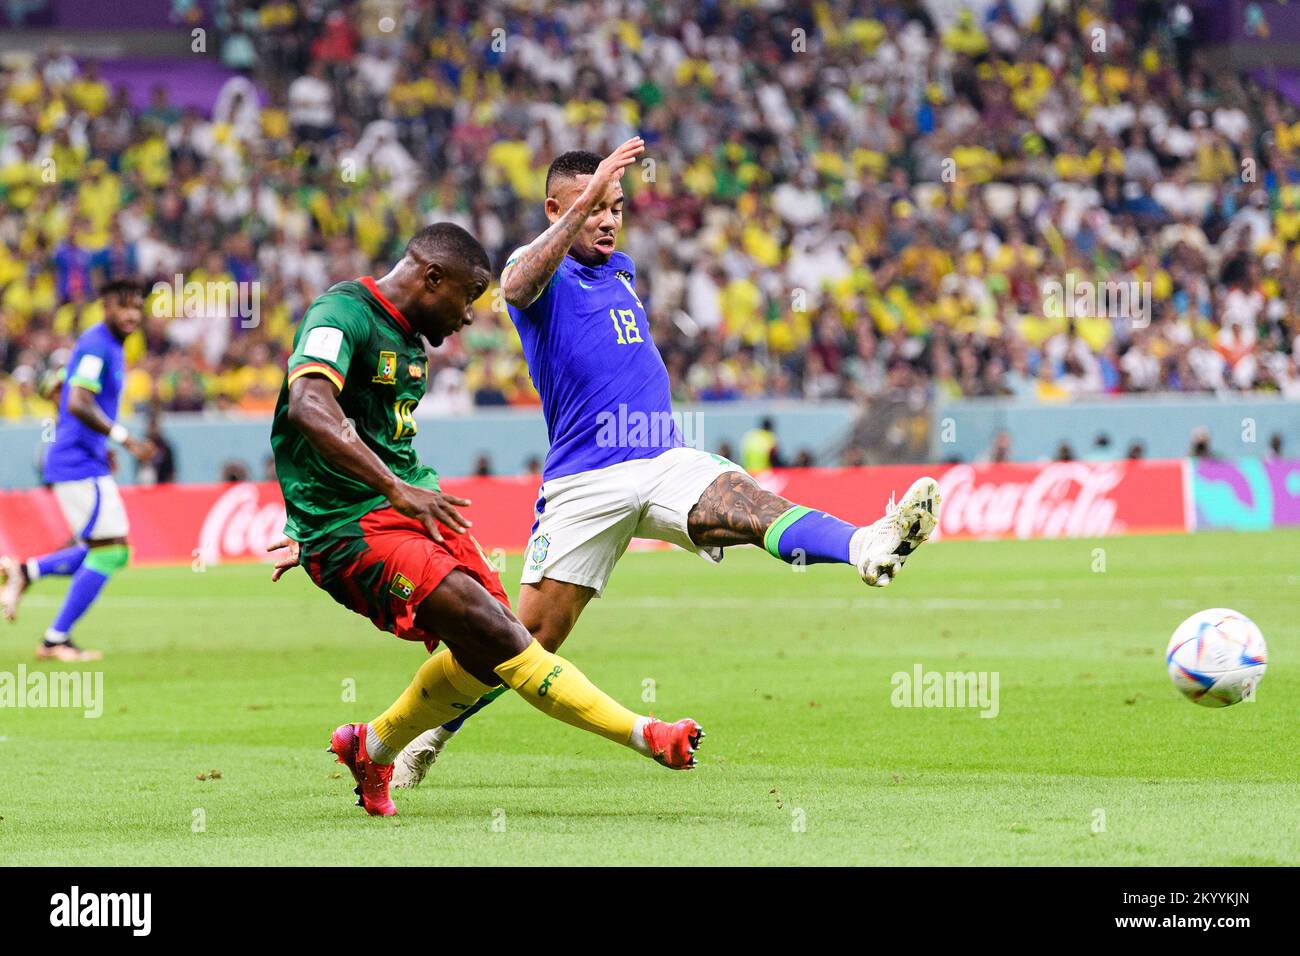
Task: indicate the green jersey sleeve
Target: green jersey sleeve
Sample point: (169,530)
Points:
(334,329)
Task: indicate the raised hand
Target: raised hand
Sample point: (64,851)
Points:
(611,168)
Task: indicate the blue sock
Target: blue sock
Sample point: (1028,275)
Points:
(802,535)
(86,585)
(58,562)
(452,726)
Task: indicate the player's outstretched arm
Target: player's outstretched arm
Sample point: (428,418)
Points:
(527,275)
(315,411)
(84,408)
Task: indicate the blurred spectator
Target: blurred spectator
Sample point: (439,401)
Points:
(1101,450)
(1200,446)
(759,450)
(1000,450)
(853,457)
(233,471)
(161,468)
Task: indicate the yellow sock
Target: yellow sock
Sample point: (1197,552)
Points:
(441,690)
(560,690)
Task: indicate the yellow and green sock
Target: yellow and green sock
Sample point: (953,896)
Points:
(440,691)
(558,689)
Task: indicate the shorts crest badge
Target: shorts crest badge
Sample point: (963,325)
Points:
(537,554)
(402,587)
(386,371)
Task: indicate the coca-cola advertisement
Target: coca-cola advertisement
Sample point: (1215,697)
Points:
(1062,499)
(235,522)
(1030,500)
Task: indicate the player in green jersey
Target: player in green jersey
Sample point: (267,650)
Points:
(372,528)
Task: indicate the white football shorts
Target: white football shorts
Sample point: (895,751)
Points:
(92,507)
(585,521)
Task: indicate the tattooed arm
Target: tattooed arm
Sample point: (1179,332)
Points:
(733,510)
(526,277)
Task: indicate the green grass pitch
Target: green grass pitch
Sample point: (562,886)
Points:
(1092,758)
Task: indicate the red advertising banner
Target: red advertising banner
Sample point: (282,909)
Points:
(1031,500)
(235,522)
(173,524)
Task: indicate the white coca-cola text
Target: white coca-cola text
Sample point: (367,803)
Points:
(238,525)
(1060,500)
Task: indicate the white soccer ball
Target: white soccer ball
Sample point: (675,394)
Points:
(1217,657)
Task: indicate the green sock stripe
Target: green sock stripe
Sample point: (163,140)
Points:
(494,693)
(108,559)
(772,539)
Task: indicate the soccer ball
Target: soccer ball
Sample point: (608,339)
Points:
(1217,657)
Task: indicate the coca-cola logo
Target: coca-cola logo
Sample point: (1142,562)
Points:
(238,525)
(1060,500)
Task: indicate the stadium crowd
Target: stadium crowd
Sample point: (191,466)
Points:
(839,199)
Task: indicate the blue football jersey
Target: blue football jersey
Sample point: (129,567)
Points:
(96,365)
(603,384)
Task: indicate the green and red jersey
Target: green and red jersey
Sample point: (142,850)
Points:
(357,339)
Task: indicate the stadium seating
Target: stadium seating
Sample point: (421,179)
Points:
(865,201)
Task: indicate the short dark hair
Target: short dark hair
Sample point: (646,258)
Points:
(123,287)
(446,241)
(576,162)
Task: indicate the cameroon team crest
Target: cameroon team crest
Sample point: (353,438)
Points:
(402,587)
(386,372)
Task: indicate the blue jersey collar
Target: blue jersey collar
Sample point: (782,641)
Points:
(595,272)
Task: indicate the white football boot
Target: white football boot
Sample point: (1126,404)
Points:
(888,542)
(14,578)
(418,756)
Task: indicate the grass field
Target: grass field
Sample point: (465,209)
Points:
(1091,759)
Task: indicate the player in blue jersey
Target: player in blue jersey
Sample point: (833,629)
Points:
(77,470)
(618,468)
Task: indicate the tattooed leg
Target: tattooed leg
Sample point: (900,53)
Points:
(735,510)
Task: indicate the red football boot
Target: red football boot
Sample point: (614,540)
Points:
(674,745)
(348,743)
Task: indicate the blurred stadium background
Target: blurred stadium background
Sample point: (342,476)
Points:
(846,241)
(845,227)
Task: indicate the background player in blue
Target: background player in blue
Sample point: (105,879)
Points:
(77,470)
(617,466)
